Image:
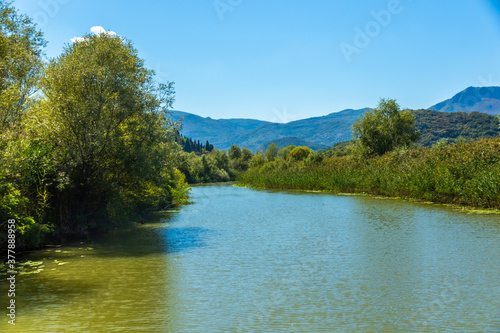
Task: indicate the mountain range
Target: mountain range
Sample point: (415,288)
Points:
(483,99)
(461,115)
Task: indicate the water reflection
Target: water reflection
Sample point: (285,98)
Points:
(240,260)
(183,239)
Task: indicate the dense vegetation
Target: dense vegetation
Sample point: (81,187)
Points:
(435,126)
(214,166)
(322,132)
(439,128)
(460,173)
(464,173)
(193,146)
(86,141)
(383,129)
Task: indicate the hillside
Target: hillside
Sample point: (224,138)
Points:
(292,141)
(435,125)
(457,118)
(252,134)
(483,99)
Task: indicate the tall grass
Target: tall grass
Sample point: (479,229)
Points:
(464,174)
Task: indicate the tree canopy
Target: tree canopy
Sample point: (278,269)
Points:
(94,147)
(21,48)
(383,129)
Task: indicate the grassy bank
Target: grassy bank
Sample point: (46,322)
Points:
(464,174)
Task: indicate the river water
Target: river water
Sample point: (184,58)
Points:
(243,260)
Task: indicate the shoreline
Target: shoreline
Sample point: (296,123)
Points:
(456,207)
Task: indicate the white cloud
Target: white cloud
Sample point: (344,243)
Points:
(100,30)
(97,30)
(77,39)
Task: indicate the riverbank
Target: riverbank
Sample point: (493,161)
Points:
(462,175)
(467,209)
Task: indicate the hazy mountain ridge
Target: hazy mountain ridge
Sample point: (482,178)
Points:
(324,131)
(480,99)
(318,131)
(292,141)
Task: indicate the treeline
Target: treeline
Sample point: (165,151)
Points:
(86,143)
(214,166)
(192,146)
(384,160)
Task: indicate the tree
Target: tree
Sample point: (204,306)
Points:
(234,152)
(24,163)
(300,153)
(21,48)
(257,160)
(384,129)
(283,152)
(246,155)
(109,120)
(271,152)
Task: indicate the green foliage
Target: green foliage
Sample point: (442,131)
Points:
(293,141)
(192,146)
(313,158)
(246,155)
(284,152)
(384,129)
(339,149)
(25,168)
(180,189)
(300,153)
(234,152)
(434,126)
(21,47)
(215,166)
(466,174)
(109,121)
(257,160)
(94,149)
(271,152)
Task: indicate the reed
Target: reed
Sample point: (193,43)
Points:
(464,174)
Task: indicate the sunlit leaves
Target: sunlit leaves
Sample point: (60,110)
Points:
(384,129)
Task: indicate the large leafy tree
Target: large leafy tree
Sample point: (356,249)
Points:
(108,120)
(21,47)
(383,129)
(23,162)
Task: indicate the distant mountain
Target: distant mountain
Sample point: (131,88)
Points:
(483,99)
(253,134)
(318,132)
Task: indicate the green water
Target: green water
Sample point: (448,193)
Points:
(240,260)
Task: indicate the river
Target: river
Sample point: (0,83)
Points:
(243,260)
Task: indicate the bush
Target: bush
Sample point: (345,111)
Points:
(300,153)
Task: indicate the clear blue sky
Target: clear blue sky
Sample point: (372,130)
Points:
(282,60)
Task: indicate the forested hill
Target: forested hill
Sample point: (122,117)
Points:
(435,125)
(480,99)
(316,132)
(458,117)
(321,132)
